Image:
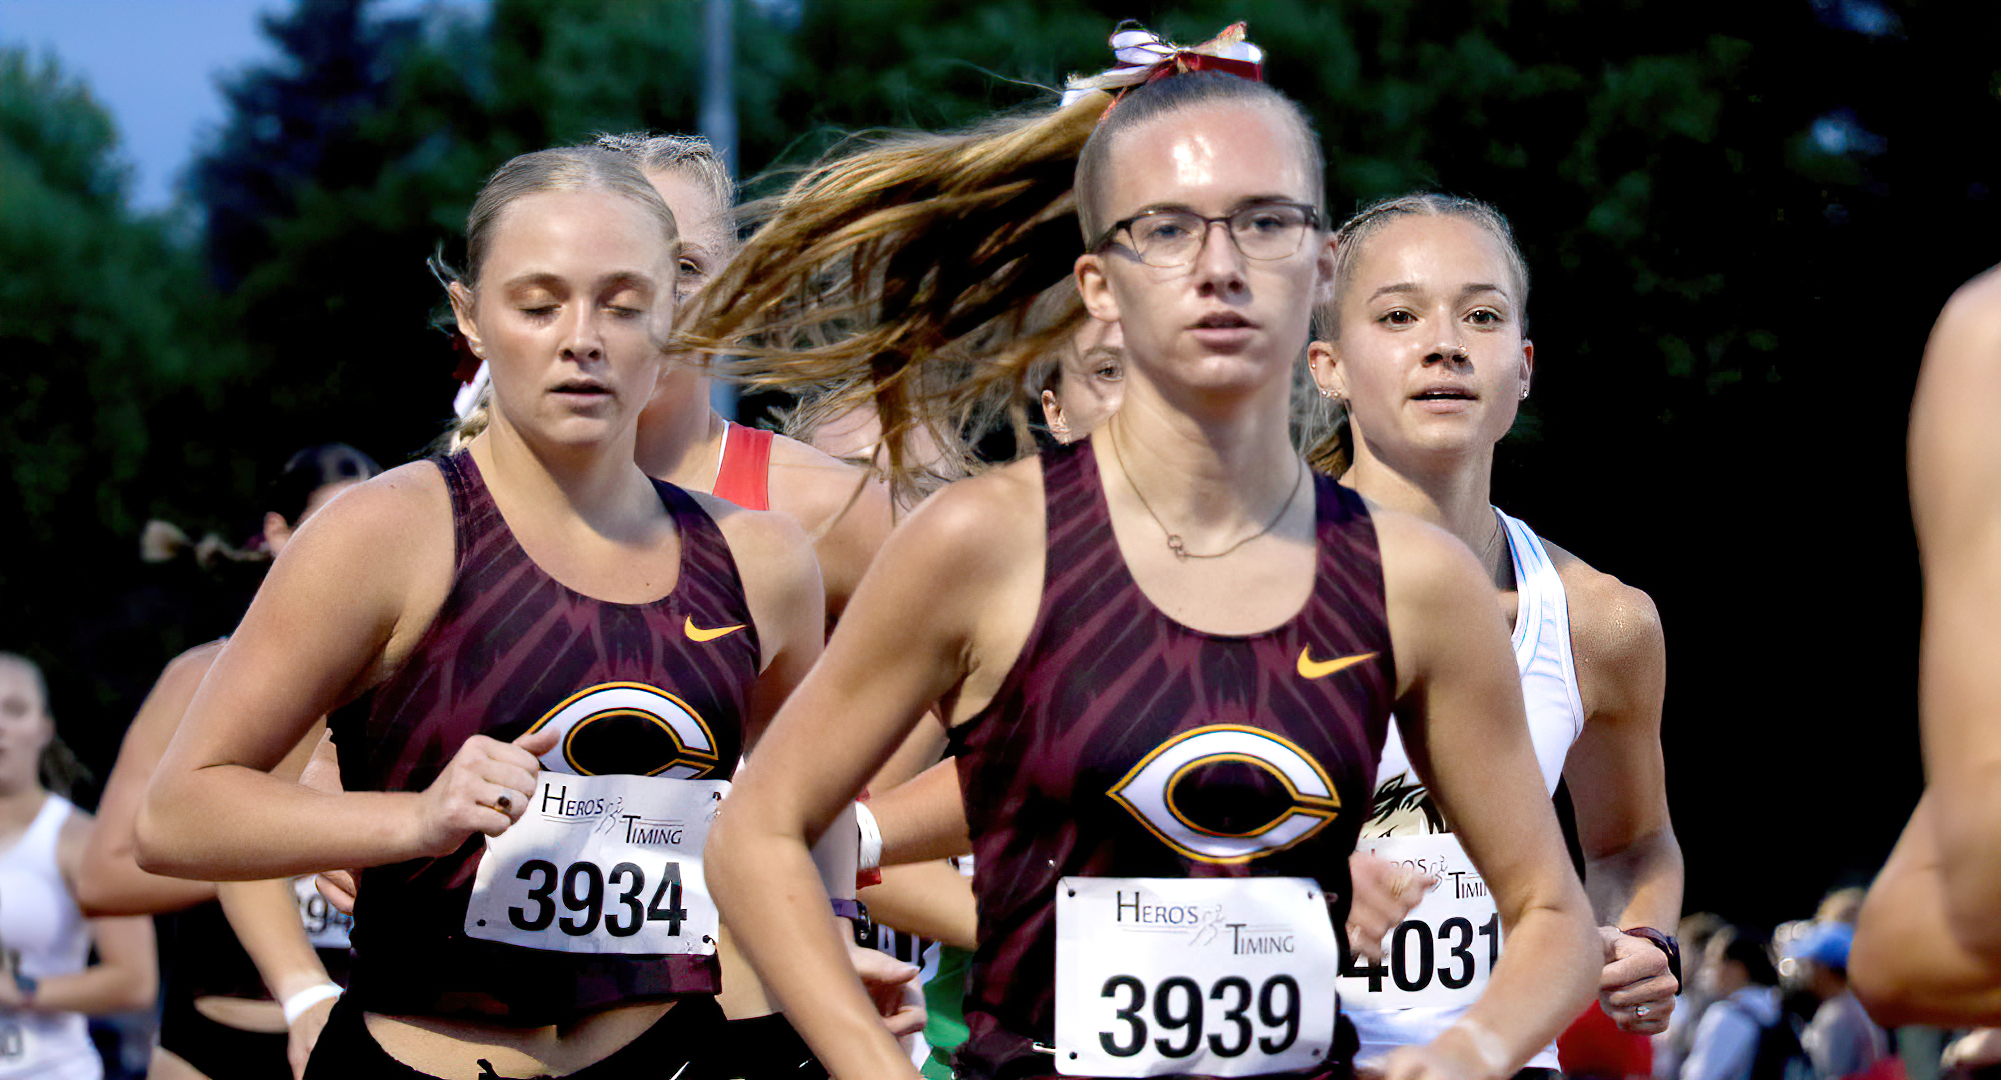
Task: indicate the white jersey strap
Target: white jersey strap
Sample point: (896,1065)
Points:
(1543,649)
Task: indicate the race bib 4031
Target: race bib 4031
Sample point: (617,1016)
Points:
(1212,976)
(1445,949)
(602,864)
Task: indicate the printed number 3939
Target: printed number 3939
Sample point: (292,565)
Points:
(1178,1008)
(583,889)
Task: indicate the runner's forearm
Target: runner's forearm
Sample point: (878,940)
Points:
(114,885)
(777,915)
(1639,886)
(932,900)
(265,916)
(124,980)
(1546,976)
(232,823)
(924,819)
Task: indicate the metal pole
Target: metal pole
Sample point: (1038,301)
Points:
(718,120)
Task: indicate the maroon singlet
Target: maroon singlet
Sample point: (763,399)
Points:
(1105,680)
(510,645)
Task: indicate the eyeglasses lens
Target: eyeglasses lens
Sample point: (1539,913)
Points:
(1176,237)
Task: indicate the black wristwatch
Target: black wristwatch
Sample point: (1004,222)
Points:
(1665,943)
(856,912)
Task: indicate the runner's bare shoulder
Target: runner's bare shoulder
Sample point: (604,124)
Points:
(1615,629)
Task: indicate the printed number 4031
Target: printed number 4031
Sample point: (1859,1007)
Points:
(1178,1008)
(583,895)
(1414,960)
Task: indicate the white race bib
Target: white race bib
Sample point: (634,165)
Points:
(326,928)
(1216,976)
(1445,949)
(19,1043)
(602,864)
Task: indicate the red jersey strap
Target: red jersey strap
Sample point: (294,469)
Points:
(744,474)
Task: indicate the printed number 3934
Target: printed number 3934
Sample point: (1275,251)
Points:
(583,895)
(1178,1008)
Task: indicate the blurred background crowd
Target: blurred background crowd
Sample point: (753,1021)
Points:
(1740,218)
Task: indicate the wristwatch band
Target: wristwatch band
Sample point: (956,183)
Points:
(1665,943)
(856,912)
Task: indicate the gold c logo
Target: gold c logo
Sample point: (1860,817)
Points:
(628,727)
(1153,792)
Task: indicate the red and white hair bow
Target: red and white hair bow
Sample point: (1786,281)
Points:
(1144,56)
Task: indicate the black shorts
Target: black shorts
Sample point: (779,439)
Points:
(672,1047)
(765,1048)
(218,1051)
(691,1041)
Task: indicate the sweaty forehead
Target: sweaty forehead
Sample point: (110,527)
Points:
(1433,251)
(1208,157)
(543,229)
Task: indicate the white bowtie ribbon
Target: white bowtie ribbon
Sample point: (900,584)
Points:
(1141,54)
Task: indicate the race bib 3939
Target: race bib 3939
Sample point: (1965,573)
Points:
(1210,976)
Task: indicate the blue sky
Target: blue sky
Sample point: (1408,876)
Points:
(154,64)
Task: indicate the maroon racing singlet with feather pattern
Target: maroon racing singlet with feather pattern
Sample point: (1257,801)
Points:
(510,645)
(1104,681)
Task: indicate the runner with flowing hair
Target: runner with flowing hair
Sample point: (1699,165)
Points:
(554,662)
(1167,653)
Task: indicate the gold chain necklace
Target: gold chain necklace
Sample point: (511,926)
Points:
(1174,543)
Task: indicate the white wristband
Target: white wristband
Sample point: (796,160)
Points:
(297,1004)
(871,850)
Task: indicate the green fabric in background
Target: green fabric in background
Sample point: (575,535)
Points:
(945,1001)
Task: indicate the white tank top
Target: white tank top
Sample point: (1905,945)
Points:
(40,921)
(1403,808)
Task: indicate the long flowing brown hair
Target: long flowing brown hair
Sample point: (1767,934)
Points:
(926,274)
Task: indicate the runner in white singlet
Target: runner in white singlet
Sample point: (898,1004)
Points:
(47,983)
(1426,349)
(1406,829)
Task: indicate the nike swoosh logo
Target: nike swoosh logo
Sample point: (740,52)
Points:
(1310,668)
(696,633)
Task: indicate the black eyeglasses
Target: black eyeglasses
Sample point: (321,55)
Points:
(1169,238)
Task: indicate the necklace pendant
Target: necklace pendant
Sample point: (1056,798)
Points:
(1174,545)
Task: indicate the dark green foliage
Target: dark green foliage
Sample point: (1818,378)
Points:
(111,350)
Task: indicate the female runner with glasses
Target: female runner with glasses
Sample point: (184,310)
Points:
(1167,652)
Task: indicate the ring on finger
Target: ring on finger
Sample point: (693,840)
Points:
(1640,1011)
(506,803)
